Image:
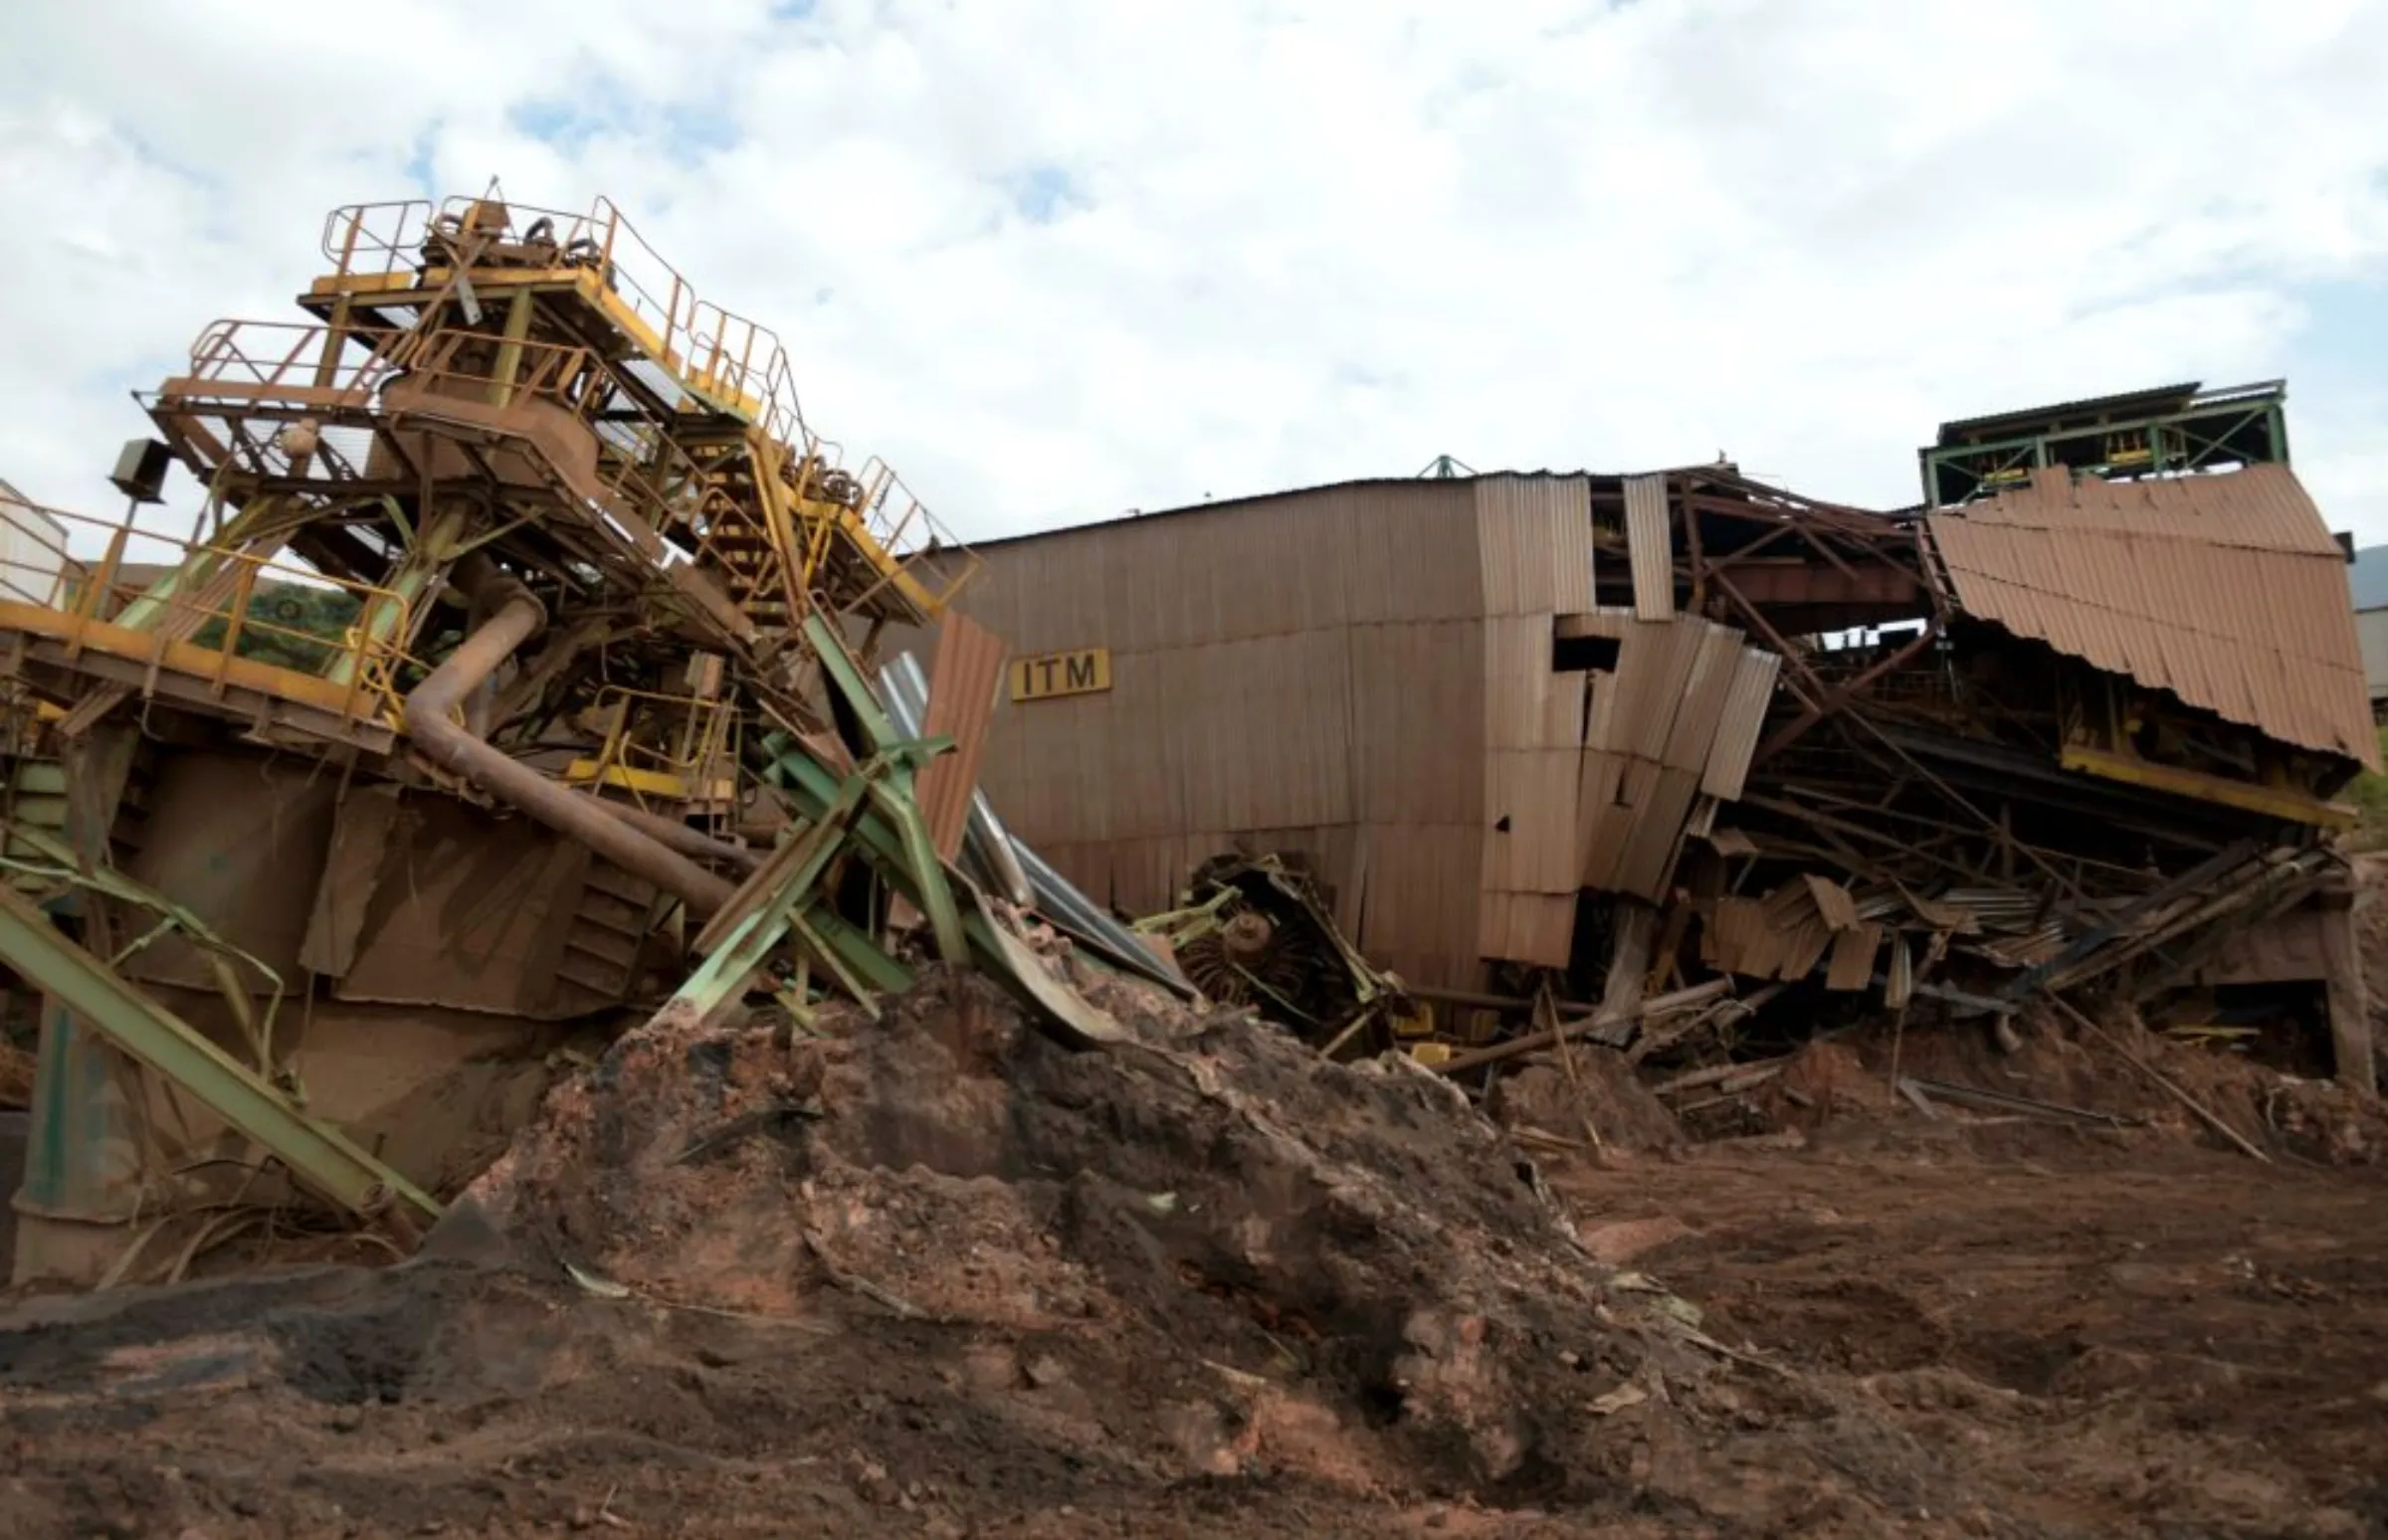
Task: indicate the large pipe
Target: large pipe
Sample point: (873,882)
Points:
(674,834)
(516,618)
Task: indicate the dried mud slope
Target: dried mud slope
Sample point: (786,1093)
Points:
(933,1276)
(1255,1260)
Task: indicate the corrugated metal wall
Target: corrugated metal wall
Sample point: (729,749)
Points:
(1534,537)
(1360,673)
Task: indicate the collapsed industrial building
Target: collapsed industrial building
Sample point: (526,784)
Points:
(531,668)
(2077,718)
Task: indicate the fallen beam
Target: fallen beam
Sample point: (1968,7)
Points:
(1663,1005)
(317,1155)
(2204,1115)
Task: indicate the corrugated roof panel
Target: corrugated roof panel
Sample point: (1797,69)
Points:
(1650,541)
(1740,722)
(966,672)
(1534,540)
(1704,694)
(2259,507)
(2226,589)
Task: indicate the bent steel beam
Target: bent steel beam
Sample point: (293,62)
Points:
(317,1155)
(892,793)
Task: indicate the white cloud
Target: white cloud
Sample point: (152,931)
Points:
(1284,242)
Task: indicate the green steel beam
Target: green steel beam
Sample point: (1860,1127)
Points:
(892,793)
(2208,425)
(314,1153)
(861,960)
(839,666)
(751,940)
(813,789)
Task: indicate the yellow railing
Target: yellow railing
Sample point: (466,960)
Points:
(727,358)
(698,764)
(81,604)
(724,355)
(260,357)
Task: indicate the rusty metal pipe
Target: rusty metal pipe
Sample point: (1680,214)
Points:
(694,844)
(517,617)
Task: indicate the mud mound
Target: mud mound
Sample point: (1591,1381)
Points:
(1360,1257)
(1542,1106)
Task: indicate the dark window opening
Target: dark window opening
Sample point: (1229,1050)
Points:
(1583,654)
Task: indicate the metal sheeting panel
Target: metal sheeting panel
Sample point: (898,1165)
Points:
(1420,911)
(1711,679)
(1535,545)
(1738,723)
(1307,670)
(471,914)
(1653,665)
(1528,927)
(1684,691)
(1534,539)
(1407,553)
(1417,705)
(1527,703)
(1650,539)
(2259,509)
(33,551)
(1529,823)
(1258,737)
(1648,858)
(962,705)
(2226,589)
(240,840)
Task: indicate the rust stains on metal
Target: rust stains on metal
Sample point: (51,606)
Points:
(961,706)
(2226,589)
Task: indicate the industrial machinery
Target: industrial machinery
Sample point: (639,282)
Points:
(517,636)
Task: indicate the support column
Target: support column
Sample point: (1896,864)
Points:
(82,1157)
(1635,926)
(2350,1001)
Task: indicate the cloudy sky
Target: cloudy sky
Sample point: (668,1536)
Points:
(1058,259)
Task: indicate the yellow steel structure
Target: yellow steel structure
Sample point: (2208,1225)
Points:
(523,386)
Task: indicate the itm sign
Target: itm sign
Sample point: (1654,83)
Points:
(1085,670)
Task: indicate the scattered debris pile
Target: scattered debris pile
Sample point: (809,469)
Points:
(1252,931)
(2079,722)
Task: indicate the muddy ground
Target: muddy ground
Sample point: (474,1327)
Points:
(941,1279)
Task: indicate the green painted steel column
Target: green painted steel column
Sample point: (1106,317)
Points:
(80,1162)
(439,544)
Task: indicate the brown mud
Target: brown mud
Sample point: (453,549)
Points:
(935,1276)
